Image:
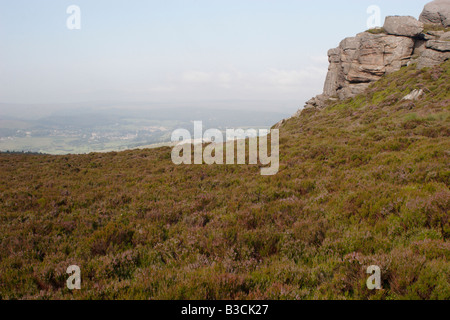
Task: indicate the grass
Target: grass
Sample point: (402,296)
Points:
(427,28)
(363,182)
(435,27)
(376,31)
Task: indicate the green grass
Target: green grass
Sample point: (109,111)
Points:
(363,182)
(377,31)
(435,27)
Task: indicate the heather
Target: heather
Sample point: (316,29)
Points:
(362,182)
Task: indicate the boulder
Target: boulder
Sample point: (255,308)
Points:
(431,58)
(435,33)
(442,46)
(436,12)
(414,95)
(403,26)
(279,124)
(428,36)
(317,102)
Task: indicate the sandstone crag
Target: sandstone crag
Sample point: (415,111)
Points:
(365,58)
(436,12)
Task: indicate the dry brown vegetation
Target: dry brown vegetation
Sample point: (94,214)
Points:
(363,182)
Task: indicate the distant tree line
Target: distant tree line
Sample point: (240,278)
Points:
(22,152)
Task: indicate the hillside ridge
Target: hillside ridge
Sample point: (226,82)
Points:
(362,182)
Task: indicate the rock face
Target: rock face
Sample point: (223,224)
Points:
(365,58)
(403,26)
(446,36)
(431,58)
(436,12)
(361,60)
(443,46)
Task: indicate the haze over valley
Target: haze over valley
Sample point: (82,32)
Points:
(86,128)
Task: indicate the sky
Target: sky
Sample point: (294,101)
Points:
(176,50)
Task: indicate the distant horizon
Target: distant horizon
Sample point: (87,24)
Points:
(41,110)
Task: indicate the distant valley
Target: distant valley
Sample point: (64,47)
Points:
(75,131)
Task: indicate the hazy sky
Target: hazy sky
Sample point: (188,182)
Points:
(175,50)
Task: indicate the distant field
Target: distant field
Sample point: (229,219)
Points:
(100,131)
(64,146)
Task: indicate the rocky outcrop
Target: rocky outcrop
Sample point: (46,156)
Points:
(365,58)
(361,60)
(436,12)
